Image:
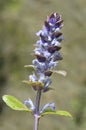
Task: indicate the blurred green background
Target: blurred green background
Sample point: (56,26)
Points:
(19,21)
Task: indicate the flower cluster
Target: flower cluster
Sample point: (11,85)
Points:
(47,52)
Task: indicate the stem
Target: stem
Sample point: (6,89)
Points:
(37,111)
(36,122)
(38,97)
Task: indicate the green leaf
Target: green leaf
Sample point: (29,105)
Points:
(36,85)
(61,72)
(30,67)
(57,112)
(14,103)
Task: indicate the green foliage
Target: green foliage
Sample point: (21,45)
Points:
(14,103)
(57,112)
(35,85)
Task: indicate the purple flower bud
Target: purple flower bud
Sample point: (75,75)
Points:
(48,105)
(30,103)
(41,58)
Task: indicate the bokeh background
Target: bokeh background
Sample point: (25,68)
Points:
(19,21)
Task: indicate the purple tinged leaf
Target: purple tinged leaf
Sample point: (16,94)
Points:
(47,26)
(41,58)
(60,38)
(43,38)
(52,49)
(57,34)
(48,73)
(52,16)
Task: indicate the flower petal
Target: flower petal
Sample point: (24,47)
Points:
(48,105)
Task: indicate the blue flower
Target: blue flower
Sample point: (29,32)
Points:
(47,106)
(30,103)
(47,51)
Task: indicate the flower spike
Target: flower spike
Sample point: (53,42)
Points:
(47,51)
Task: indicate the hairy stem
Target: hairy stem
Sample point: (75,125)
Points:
(38,97)
(37,111)
(36,122)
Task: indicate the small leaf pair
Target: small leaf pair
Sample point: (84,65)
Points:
(15,104)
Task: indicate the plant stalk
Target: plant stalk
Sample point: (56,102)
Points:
(36,122)
(37,111)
